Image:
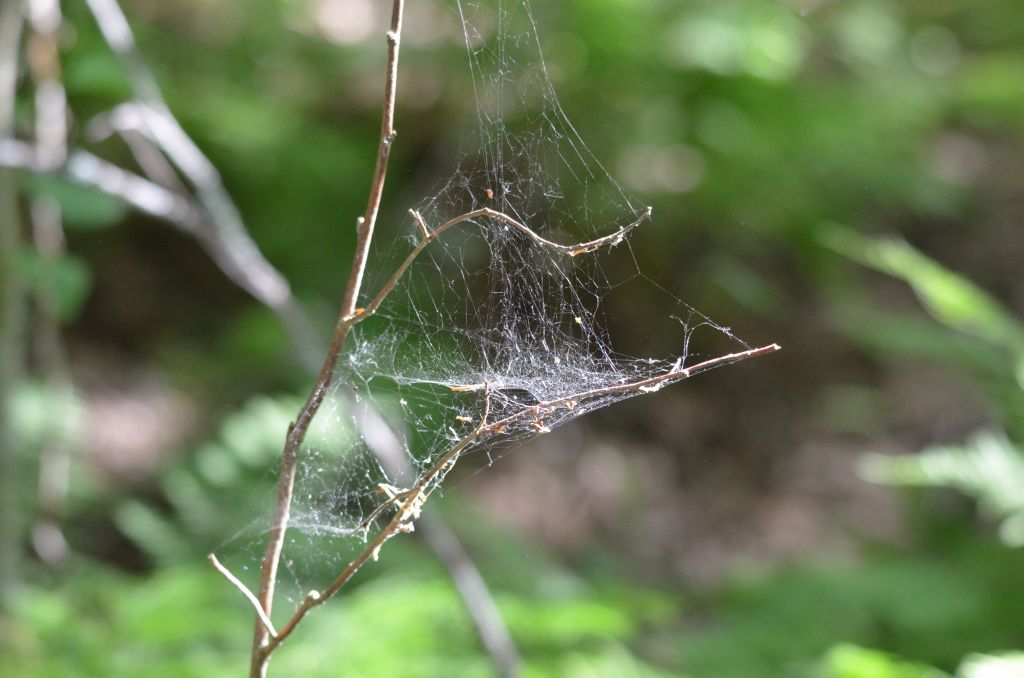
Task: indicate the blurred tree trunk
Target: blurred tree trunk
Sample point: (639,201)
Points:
(10,307)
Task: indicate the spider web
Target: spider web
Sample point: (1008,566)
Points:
(493,325)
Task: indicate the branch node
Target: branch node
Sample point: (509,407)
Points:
(393,38)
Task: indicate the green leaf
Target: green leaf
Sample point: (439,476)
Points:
(988,468)
(67,279)
(80,206)
(950,298)
(851,661)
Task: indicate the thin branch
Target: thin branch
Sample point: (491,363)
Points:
(44,65)
(648,385)
(125,121)
(236,582)
(572,250)
(365,226)
(401,518)
(250,271)
(494,634)
(263,646)
(611,239)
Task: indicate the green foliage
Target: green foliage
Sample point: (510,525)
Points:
(747,123)
(851,661)
(67,279)
(184,621)
(218,492)
(952,299)
(926,609)
(81,207)
(987,467)
(819,621)
(42,412)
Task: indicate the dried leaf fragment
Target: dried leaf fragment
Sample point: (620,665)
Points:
(468,388)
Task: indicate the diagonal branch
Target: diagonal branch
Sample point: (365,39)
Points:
(163,130)
(236,582)
(82,167)
(480,603)
(648,385)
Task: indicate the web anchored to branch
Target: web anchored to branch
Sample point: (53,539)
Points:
(486,321)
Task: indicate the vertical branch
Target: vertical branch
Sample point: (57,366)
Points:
(10,308)
(365,226)
(262,648)
(48,237)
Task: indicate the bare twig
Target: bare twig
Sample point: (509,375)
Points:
(125,120)
(571,250)
(10,309)
(264,619)
(401,522)
(493,632)
(648,385)
(156,201)
(263,646)
(365,226)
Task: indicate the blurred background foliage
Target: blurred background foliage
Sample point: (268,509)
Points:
(845,178)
